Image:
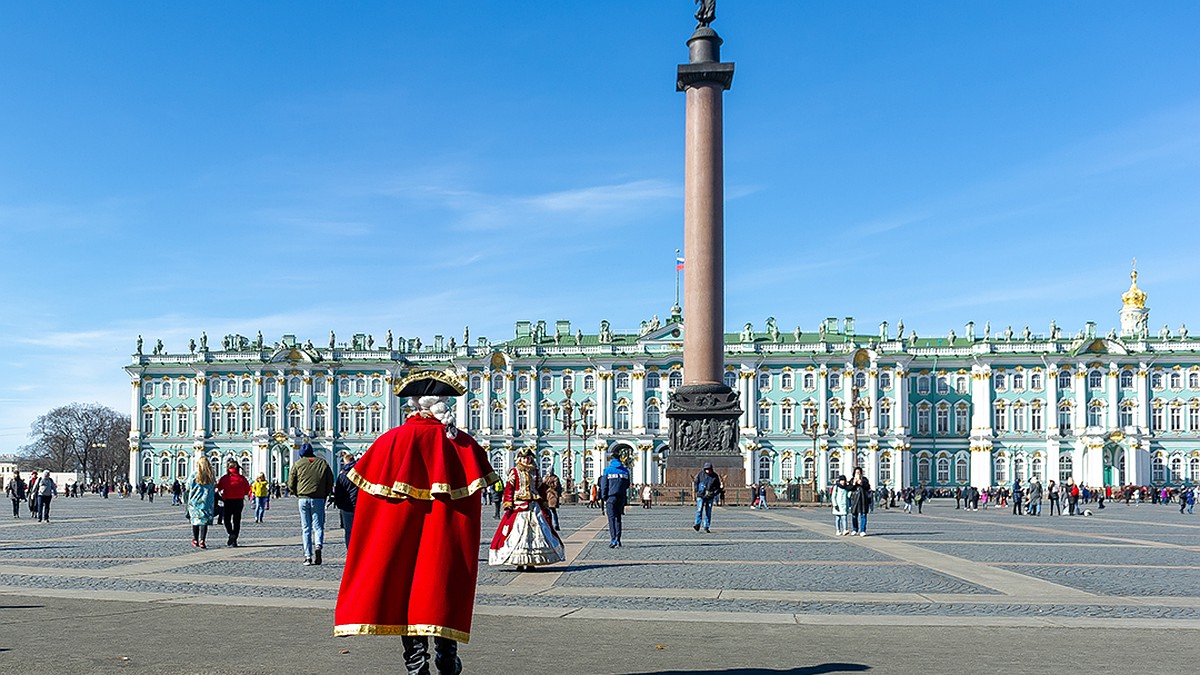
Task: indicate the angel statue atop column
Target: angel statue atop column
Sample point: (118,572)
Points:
(707,12)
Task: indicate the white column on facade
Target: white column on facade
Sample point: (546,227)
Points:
(460,402)
(486,402)
(823,399)
(848,409)
(281,401)
(306,392)
(535,403)
(638,411)
(746,394)
(257,398)
(900,467)
(822,458)
(900,408)
(510,401)
(1112,408)
(1142,394)
(873,399)
(1079,413)
(1077,470)
(135,426)
(981,467)
(604,417)
(330,411)
(981,401)
(201,385)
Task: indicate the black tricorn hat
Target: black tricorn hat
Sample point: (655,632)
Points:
(430,383)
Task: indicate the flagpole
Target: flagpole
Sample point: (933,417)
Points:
(676,277)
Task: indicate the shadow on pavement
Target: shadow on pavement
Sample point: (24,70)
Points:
(802,670)
(4,607)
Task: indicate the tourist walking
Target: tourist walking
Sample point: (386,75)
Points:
(1018,493)
(839,499)
(345,495)
(525,537)
(46,490)
(311,480)
(1072,496)
(1034,497)
(614,490)
(708,490)
(233,489)
(647,496)
(260,491)
(31,494)
(1052,493)
(552,489)
(497,494)
(412,569)
(920,494)
(16,492)
(860,501)
(201,498)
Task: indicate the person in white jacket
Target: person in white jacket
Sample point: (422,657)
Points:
(840,498)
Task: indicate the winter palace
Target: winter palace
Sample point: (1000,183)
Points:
(983,407)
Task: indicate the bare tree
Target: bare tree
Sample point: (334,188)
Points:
(85,437)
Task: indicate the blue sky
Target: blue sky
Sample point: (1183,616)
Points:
(172,168)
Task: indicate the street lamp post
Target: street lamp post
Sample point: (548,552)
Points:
(856,410)
(811,427)
(569,413)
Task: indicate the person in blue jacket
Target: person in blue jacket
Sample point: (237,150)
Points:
(614,492)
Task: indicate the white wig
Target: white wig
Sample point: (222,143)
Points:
(437,407)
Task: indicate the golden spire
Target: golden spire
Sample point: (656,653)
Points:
(1134,297)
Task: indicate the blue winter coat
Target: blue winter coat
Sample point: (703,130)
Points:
(614,483)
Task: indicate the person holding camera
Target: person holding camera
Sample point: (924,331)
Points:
(708,488)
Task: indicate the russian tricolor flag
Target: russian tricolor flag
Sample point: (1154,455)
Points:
(678,264)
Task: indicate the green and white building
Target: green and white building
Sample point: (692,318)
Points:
(979,408)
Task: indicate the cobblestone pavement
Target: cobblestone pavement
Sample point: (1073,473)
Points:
(1126,567)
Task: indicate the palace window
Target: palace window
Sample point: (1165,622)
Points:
(1064,379)
(810,468)
(943,419)
(589,382)
(923,470)
(653,417)
(961,419)
(245,419)
(546,418)
(148,388)
(475,416)
(621,380)
(1194,416)
(360,386)
(475,382)
(1193,381)
(835,380)
(1176,380)
(497,381)
(835,419)
(293,386)
(568,382)
(1036,423)
(1095,380)
(181,467)
(376,421)
(764,468)
(787,381)
(231,387)
(885,416)
(269,419)
(1065,468)
(181,421)
(787,469)
(674,379)
(522,416)
(1019,468)
(923,419)
(343,385)
(589,467)
(343,422)
(1001,470)
(271,387)
(1125,380)
(1156,419)
(1095,414)
(1156,380)
(319,421)
(835,467)
(943,385)
(730,379)
(1018,418)
(1194,469)
(885,469)
(943,470)
(247,387)
(1035,381)
(764,382)
(810,381)
(653,380)
(923,384)
(360,421)
(214,421)
(294,416)
(621,418)
(214,387)
(1126,414)
(860,380)
(787,419)
(166,389)
(999,418)
(1036,468)
(497,417)
(1176,418)
(165,422)
(960,385)
(1158,470)
(377,386)
(1064,418)
(522,382)
(547,383)
(1018,381)
(962,471)
(764,417)
(319,385)
(1000,382)
(183,389)
(885,379)
(1177,469)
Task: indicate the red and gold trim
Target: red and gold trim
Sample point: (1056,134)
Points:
(399,490)
(416,630)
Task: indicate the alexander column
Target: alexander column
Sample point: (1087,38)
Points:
(704,412)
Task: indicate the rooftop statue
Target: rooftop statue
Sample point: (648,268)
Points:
(706,13)
(139,345)
(203,341)
(1183,332)
(605,331)
(900,330)
(332,339)
(192,345)
(389,340)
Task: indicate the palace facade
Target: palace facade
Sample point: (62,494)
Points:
(980,408)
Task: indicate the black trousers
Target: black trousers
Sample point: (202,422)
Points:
(445,655)
(16,508)
(233,517)
(614,511)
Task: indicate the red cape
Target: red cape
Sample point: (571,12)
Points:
(414,550)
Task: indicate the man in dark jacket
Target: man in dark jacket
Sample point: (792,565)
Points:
(708,489)
(614,491)
(311,480)
(345,495)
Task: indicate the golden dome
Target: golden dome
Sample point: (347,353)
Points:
(1134,297)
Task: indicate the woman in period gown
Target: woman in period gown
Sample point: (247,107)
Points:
(525,537)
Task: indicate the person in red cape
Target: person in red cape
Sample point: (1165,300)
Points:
(413,558)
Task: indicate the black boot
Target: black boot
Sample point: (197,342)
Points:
(445,656)
(416,655)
